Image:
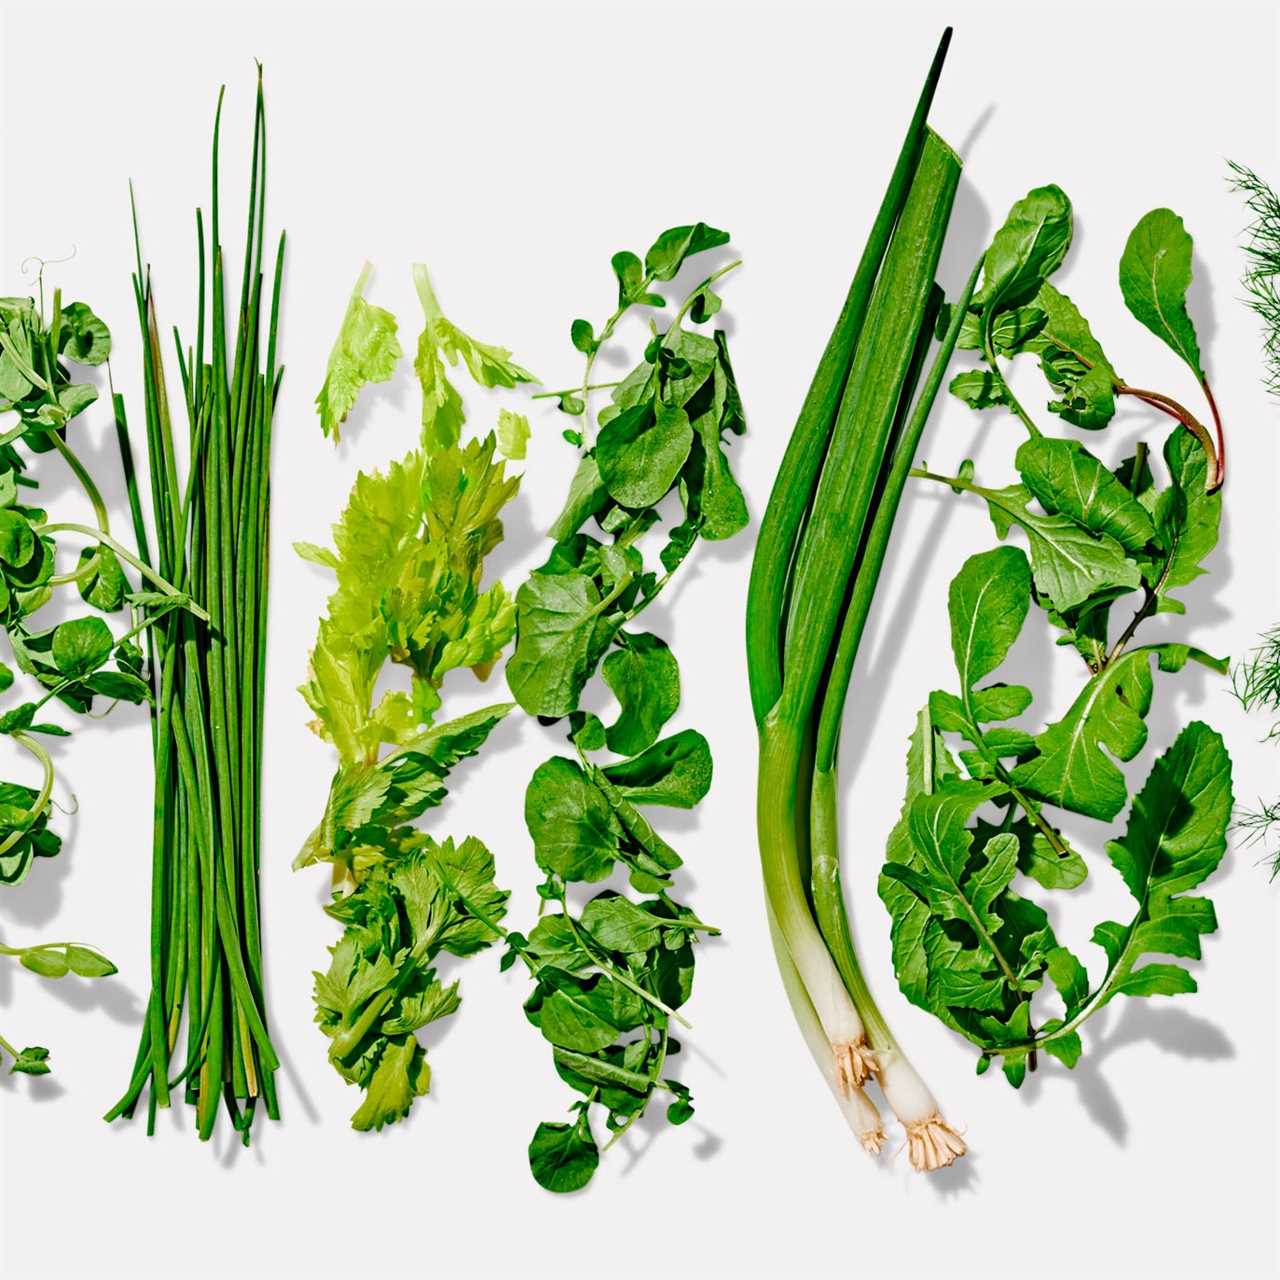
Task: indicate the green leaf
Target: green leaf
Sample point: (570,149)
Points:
(618,924)
(1174,840)
(104,587)
(47,962)
(561,634)
(1069,563)
(513,434)
(17,541)
(563,1157)
(402,1074)
(987,603)
(89,963)
(1066,479)
(645,678)
(1074,363)
(582,337)
(575,833)
(1155,274)
(979,389)
(366,350)
(81,646)
(83,337)
(583,1014)
(1074,767)
(668,252)
(1027,249)
(641,451)
(32,1061)
(1186,519)
(675,771)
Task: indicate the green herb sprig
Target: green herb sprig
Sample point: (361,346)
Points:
(408,559)
(966,945)
(610,978)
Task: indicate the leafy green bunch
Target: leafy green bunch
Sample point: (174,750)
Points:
(408,559)
(967,945)
(81,658)
(611,977)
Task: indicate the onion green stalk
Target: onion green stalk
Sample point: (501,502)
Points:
(210,537)
(829,522)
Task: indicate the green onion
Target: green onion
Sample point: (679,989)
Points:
(813,582)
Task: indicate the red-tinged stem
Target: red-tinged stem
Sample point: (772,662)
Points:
(1217,424)
(1167,404)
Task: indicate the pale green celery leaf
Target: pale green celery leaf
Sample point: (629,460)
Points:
(1155,274)
(1066,479)
(513,435)
(402,1074)
(1069,563)
(366,350)
(1174,840)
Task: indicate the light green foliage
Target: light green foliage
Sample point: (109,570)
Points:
(366,350)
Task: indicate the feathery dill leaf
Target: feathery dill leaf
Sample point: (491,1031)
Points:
(1262,258)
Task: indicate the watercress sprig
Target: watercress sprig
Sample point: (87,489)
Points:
(612,975)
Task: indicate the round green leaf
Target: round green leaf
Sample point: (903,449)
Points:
(81,645)
(563,1157)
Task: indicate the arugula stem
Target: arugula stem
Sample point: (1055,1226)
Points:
(989,351)
(1168,405)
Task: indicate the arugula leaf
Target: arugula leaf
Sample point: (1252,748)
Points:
(1066,479)
(1175,839)
(1155,274)
(1186,519)
(1026,250)
(366,350)
(1073,361)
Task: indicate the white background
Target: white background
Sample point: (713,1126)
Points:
(514,151)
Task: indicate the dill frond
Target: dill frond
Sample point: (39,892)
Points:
(1255,679)
(1259,824)
(1262,263)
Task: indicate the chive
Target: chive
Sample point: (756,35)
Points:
(211,533)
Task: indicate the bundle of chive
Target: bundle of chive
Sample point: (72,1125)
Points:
(210,537)
(821,547)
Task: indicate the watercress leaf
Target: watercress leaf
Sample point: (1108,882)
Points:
(1066,479)
(81,646)
(584,1014)
(979,389)
(641,451)
(563,1157)
(1155,274)
(668,252)
(83,337)
(587,496)
(645,678)
(1027,249)
(629,271)
(121,686)
(618,924)
(582,337)
(1174,840)
(554,941)
(74,399)
(366,350)
(675,771)
(561,633)
(574,829)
